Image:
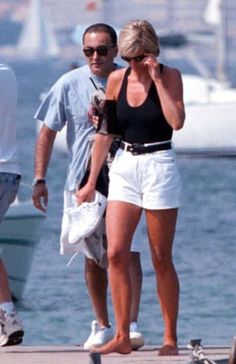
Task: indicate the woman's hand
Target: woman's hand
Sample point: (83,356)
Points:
(153,67)
(86,193)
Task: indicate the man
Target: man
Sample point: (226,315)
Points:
(68,103)
(11,329)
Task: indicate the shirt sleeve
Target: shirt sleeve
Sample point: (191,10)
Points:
(52,109)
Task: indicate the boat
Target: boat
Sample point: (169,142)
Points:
(210,101)
(20,233)
(210,126)
(37,39)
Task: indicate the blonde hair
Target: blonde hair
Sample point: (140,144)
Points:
(136,36)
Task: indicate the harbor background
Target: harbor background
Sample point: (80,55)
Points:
(55,307)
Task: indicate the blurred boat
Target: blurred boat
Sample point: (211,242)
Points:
(37,39)
(210,117)
(210,102)
(20,233)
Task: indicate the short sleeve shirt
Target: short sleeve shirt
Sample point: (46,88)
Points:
(66,105)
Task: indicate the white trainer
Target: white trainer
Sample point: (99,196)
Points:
(103,336)
(11,329)
(89,342)
(136,337)
(85,218)
(98,336)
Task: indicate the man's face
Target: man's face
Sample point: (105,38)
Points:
(100,53)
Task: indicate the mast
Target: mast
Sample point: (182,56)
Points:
(215,15)
(221,37)
(37,38)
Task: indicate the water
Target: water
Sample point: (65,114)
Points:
(56,307)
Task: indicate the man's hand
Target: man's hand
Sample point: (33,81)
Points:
(40,197)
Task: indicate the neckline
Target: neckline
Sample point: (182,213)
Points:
(128,71)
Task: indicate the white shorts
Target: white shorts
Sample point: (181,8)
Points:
(151,181)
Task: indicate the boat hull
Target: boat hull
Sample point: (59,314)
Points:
(209,128)
(20,232)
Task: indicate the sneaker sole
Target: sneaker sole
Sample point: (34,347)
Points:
(15,338)
(136,343)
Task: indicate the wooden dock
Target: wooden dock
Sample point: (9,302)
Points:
(76,355)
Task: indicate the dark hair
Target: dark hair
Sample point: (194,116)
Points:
(102,28)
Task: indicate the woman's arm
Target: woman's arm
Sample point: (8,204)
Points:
(100,150)
(170,90)
(101,145)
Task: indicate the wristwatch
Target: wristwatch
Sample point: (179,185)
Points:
(37,181)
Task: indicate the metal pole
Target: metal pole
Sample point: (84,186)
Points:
(95,358)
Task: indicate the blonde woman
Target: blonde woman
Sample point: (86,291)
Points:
(144,105)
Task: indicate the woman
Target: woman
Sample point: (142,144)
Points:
(144,106)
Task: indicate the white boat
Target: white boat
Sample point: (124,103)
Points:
(37,39)
(210,125)
(210,103)
(20,232)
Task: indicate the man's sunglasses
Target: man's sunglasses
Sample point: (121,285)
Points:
(136,59)
(101,50)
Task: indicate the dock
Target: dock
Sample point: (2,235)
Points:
(76,355)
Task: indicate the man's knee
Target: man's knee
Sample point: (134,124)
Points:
(92,267)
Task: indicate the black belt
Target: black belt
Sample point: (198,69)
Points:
(137,148)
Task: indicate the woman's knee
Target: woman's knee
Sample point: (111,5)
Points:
(118,257)
(161,261)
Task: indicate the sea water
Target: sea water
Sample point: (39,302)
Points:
(56,308)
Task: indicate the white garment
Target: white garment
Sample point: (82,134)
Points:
(8,105)
(92,247)
(151,180)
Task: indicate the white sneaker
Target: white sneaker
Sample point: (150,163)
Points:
(136,337)
(89,342)
(11,329)
(85,218)
(98,336)
(103,336)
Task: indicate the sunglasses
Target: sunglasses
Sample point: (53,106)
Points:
(101,50)
(136,59)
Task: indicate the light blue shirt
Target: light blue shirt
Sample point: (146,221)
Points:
(67,104)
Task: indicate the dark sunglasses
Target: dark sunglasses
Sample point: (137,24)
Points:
(101,50)
(136,59)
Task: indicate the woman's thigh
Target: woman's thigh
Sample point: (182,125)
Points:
(161,226)
(121,221)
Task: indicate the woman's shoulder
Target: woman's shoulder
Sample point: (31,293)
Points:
(114,81)
(170,71)
(118,74)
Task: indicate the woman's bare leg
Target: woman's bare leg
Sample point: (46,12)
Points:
(121,222)
(161,229)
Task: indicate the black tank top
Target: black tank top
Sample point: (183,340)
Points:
(145,123)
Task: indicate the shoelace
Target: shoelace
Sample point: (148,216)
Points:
(87,211)
(71,259)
